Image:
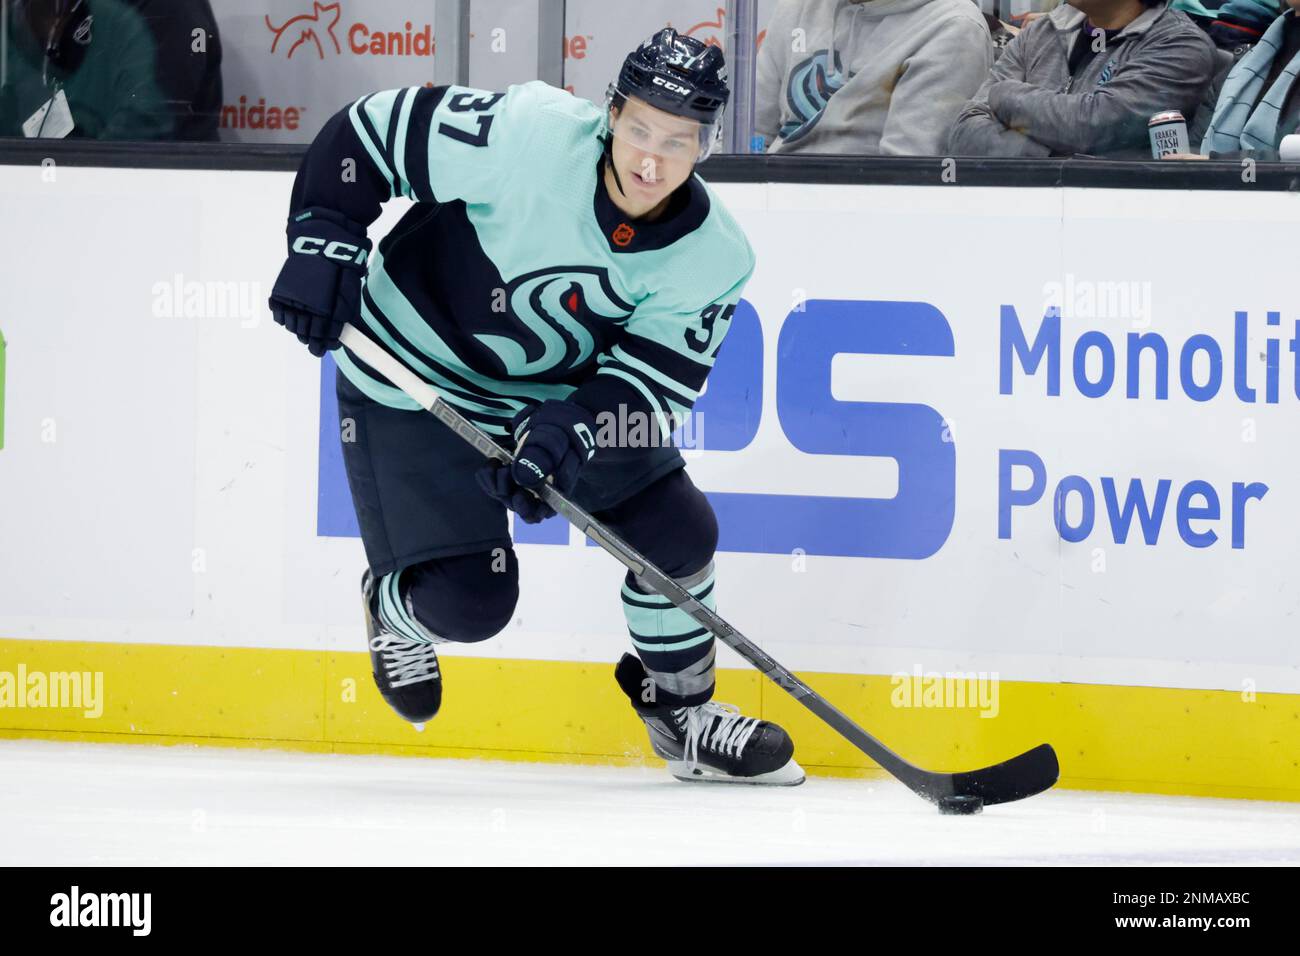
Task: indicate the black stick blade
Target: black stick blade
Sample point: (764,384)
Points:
(1023,776)
(1032,772)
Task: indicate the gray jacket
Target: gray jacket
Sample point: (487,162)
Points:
(883,77)
(1030,105)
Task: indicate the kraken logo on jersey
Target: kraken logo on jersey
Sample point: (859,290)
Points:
(812,84)
(560,307)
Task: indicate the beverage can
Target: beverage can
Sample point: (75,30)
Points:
(1168,132)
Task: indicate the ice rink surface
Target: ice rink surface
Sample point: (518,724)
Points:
(86,804)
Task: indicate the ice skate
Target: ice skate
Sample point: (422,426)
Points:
(711,742)
(405,669)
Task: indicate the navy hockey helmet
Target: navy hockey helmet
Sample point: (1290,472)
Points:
(679,75)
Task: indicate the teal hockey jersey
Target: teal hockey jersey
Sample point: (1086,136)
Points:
(514,278)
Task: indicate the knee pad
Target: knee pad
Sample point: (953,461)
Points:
(671,522)
(466,598)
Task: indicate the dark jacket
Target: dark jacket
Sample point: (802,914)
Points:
(109,77)
(190,79)
(1031,106)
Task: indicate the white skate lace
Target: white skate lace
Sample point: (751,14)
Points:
(406,662)
(731,730)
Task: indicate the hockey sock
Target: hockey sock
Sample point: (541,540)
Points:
(395,614)
(676,652)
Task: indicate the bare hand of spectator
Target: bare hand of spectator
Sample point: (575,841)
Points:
(1024,20)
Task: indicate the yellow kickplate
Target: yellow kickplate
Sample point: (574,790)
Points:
(1195,742)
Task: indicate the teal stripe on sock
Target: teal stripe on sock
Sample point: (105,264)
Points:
(654,624)
(675,646)
(393,613)
(650,639)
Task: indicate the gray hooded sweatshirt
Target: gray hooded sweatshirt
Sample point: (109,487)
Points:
(1031,106)
(877,77)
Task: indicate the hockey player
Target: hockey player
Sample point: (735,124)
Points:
(563,269)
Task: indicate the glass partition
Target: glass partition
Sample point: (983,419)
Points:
(1030,79)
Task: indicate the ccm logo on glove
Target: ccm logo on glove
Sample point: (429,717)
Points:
(339,251)
(555,440)
(318,290)
(541,475)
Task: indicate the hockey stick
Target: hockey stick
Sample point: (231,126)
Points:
(1023,776)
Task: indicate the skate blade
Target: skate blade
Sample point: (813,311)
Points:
(791,775)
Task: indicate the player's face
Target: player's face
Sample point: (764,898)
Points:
(654,153)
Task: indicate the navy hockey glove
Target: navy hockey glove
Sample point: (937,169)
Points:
(556,439)
(319,288)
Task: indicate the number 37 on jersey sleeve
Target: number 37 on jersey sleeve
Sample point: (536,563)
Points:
(667,355)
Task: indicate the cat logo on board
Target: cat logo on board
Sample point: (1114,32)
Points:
(623,235)
(303,29)
(319,29)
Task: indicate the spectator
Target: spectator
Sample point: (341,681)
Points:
(90,61)
(1196,11)
(1236,25)
(1086,78)
(878,77)
(189,63)
(1260,100)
